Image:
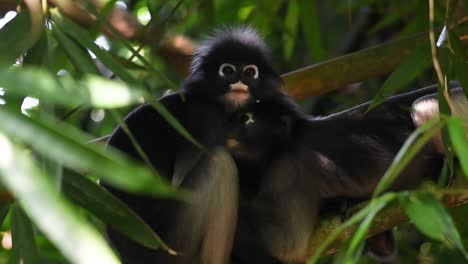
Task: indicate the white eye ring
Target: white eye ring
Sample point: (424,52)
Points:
(254,67)
(224,65)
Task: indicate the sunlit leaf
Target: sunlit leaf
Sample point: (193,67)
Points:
(91,90)
(66,144)
(56,218)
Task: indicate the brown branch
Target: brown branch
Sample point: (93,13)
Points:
(387,219)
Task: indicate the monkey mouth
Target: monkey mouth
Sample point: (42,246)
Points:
(238,92)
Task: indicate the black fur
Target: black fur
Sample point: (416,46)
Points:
(290,166)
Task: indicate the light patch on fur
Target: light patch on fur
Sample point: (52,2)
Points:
(459,107)
(424,110)
(324,161)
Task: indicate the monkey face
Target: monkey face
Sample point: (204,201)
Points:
(234,70)
(238,81)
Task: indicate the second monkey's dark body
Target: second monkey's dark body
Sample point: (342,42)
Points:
(288,164)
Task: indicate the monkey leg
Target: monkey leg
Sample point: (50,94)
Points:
(205,226)
(285,212)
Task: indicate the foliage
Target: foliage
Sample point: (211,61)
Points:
(87,74)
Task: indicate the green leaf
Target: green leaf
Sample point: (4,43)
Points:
(15,38)
(174,122)
(109,209)
(311,28)
(91,90)
(354,247)
(411,67)
(423,211)
(52,214)
(431,218)
(458,136)
(83,37)
(460,65)
(37,54)
(4,208)
(24,246)
(291,23)
(64,143)
(78,55)
(415,142)
(375,203)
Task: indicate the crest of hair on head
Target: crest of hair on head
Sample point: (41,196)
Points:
(244,35)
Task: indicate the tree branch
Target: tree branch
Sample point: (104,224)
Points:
(387,219)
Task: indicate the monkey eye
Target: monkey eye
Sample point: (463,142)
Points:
(251,70)
(226,69)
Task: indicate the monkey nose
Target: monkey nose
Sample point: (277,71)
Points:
(239,87)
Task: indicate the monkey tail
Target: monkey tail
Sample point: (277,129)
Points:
(427,108)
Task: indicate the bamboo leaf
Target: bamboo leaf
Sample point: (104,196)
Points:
(361,214)
(52,214)
(291,23)
(91,90)
(460,65)
(311,28)
(24,246)
(411,67)
(109,209)
(37,54)
(431,218)
(64,143)
(15,38)
(410,148)
(354,247)
(458,136)
(4,207)
(79,56)
(83,37)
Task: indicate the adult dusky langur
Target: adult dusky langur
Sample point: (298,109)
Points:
(266,169)
(232,80)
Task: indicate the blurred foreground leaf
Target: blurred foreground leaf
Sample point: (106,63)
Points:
(91,91)
(62,224)
(109,209)
(24,245)
(66,144)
